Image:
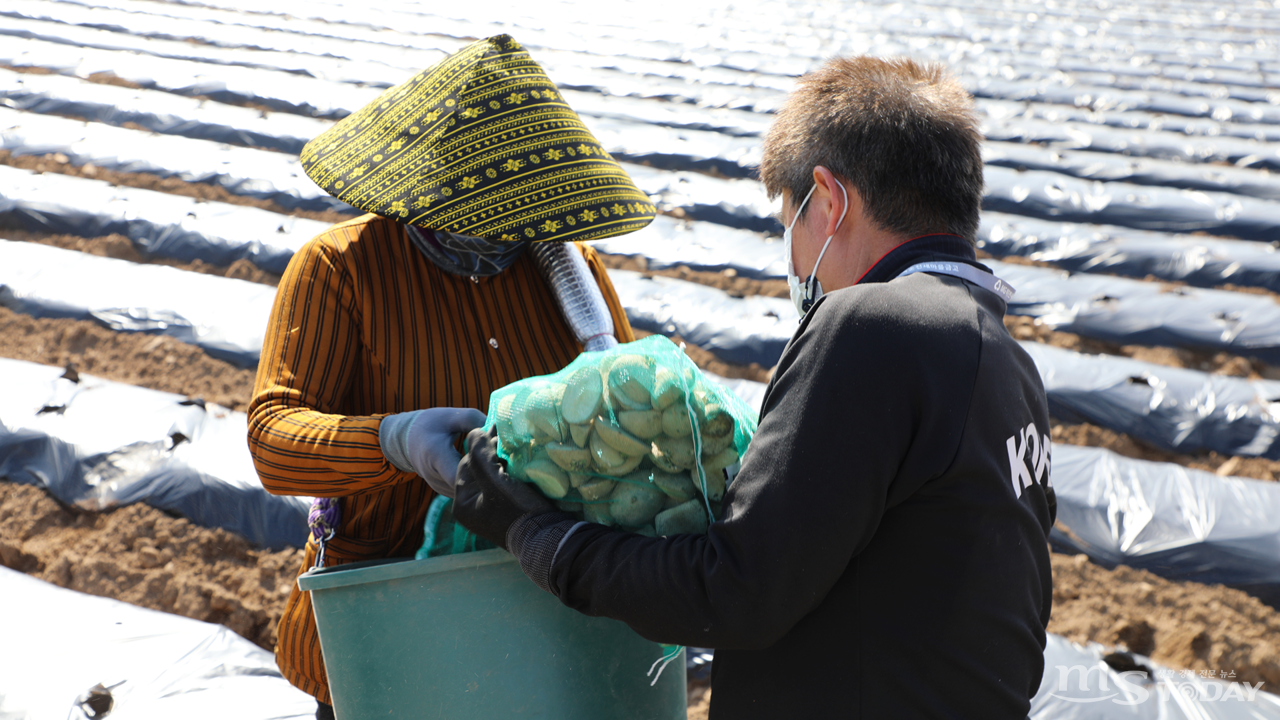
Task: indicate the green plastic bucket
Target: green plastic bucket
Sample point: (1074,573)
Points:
(469,636)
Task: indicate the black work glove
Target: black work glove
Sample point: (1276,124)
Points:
(488,501)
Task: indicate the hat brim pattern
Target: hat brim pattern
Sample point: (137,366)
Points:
(481,144)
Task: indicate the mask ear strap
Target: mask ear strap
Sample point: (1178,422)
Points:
(838,224)
(803,203)
(845,211)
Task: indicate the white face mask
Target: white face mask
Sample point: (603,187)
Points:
(804,295)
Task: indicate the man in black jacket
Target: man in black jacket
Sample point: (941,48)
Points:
(883,551)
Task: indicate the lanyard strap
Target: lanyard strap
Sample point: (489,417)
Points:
(965,272)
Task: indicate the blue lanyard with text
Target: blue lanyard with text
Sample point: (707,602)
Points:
(965,272)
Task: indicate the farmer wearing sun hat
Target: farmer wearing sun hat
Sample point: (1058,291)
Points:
(390,331)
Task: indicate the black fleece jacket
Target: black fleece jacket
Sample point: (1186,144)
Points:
(883,550)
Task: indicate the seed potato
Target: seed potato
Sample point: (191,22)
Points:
(542,410)
(721,460)
(677,486)
(717,421)
(503,413)
(597,489)
(713,444)
(715,484)
(644,424)
(549,478)
(678,450)
(517,460)
(579,432)
(631,382)
(570,457)
(606,456)
(661,461)
(688,517)
(598,512)
(635,504)
(619,439)
(583,396)
(667,389)
(610,460)
(675,421)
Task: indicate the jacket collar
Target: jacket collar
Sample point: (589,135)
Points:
(922,249)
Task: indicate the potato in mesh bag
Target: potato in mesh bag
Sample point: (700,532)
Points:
(634,437)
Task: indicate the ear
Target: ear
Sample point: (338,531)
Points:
(831,200)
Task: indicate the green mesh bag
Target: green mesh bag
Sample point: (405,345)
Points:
(634,437)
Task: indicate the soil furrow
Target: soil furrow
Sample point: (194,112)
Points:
(140,555)
(157,362)
(1224,465)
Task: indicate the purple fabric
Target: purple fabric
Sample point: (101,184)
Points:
(324,518)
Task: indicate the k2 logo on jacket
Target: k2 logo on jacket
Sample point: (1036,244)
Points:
(1019,471)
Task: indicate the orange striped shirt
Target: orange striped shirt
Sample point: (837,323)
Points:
(364,326)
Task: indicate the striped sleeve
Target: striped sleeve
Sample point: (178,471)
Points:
(621,326)
(299,446)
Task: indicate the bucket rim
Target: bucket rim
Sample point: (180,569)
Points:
(383,570)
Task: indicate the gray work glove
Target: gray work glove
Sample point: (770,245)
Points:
(421,441)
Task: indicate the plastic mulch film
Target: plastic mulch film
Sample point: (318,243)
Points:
(227,318)
(359,53)
(1179,410)
(633,140)
(1114,167)
(1108,98)
(667,242)
(1080,683)
(159,224)
(1079,122)
(241,171)
(1129,133)
(1094,683)
(158,111)
(88,27)
(737,203)
(275,90)
(96,445)
(72,656)
(1179,523)
(634,437)
(1194,259)
(744,67)
(1054,196)
(279,178)
(1132,312)
(738,330)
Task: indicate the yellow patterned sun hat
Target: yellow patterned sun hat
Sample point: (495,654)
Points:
(481,144)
